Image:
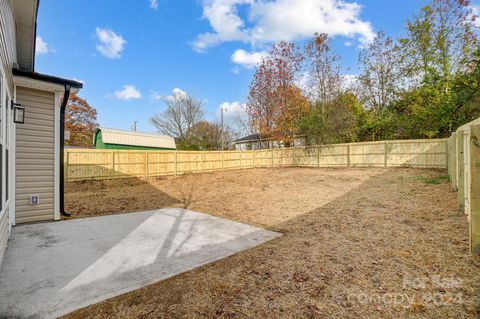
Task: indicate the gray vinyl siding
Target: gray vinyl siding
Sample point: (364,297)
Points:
(35,156)
(7,59)
(8,51)
(3,234)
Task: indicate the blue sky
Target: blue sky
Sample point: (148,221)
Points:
(131,54)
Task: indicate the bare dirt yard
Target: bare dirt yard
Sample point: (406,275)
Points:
(358,243)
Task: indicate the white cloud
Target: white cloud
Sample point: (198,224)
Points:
(236,70)
(154,4)
(248,60)
(155,96)
(41,46)
(349,81)
(475,15)
(110,44)
(303,81)
(129,92)
(276,20)
(226,24)
(233,111)
(177,94)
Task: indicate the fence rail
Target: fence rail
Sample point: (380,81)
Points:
(111,164)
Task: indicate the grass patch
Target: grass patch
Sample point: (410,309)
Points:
(435,180)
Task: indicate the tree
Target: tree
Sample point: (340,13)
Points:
(339,123)
(437,53)
(466,95)
(324,80)
(313,127)
(344,115)
(293,107)
(273,93)
(182,114)
(439,42)
(207,136)
(380,80)
(80,121)
(424,85)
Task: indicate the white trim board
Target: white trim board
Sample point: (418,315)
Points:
(56,213)
(13,166)
(40,85)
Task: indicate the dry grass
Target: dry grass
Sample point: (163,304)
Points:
(348,234)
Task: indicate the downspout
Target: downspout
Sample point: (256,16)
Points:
(63,106)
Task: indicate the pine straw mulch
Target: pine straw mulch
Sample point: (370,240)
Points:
(357,244)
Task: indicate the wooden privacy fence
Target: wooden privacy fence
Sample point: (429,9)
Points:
(107,164)
(464,171)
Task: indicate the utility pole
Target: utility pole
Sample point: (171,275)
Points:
(221,121)
(134,126)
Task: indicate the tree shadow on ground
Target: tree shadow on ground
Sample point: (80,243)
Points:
(95,198)
(376,251)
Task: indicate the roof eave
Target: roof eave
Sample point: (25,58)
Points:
(26,13)
(48,78)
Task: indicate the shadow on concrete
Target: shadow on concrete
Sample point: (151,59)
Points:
(54,268)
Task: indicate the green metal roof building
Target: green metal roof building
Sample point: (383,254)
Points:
(113,139)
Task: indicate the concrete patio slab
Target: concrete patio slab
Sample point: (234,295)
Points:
(51,269)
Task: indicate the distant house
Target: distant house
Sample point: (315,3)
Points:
(264,141)
(113,139)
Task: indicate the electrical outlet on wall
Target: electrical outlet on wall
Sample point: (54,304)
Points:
(34,199)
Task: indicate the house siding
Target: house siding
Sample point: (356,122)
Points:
(7,59)
(35,156)
(7,41)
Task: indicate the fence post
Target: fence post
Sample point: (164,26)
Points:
(223,159)
(254,163)
(474,145)
(386,154)
(460,171)
(466,181)
(112,173)
(453,157)
(176,160)
(318,156)
(146,165)
(349,161)
(448,157)
(272,157)
(66,168)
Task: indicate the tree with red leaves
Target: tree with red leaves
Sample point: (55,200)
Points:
(274,101)
(80,121)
